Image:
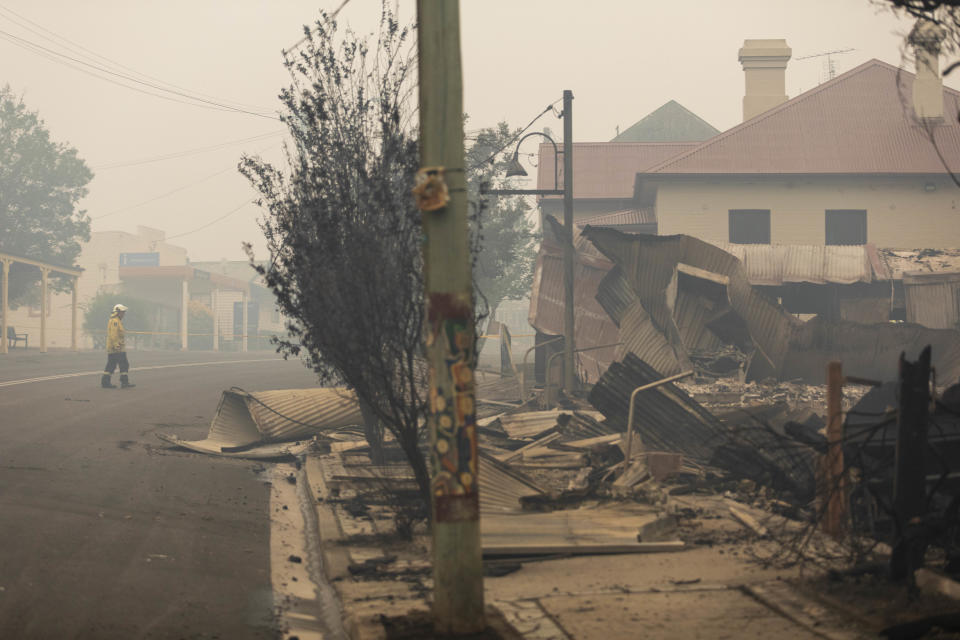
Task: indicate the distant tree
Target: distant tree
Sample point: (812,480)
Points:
(507,236)
(41,182)
(142,316)
(341,225)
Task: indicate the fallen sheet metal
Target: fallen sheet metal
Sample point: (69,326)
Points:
(533,424)
(672,296)
(583,531)
(267,424)
(668,419)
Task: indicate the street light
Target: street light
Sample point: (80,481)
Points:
(516,169)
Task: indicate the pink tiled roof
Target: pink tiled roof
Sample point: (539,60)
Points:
(606,169)
(859,122)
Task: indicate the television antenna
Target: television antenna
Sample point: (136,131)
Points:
(828,63)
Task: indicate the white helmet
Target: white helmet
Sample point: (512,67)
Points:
(119,307)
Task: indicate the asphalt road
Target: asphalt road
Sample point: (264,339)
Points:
(107,532)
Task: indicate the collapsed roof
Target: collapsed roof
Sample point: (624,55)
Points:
(672,296)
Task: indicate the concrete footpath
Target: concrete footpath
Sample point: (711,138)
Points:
(707,591)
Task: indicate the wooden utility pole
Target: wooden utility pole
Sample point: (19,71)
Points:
(450,336)
(569,374)
(833,479)
(909,480)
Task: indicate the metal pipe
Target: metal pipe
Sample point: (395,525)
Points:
(563,353)
(523,370)
(569,379)
(652,385)
(4,307)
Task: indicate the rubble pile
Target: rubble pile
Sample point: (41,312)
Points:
(728,392)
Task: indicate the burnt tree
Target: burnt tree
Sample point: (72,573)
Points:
(341,226)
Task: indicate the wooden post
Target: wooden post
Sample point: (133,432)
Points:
(44,275)
(834,486)
(909,480)
(73,314)
(450,333)
(4,306)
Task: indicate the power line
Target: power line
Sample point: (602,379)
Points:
(110,80)
(212,222)
(77,48)
(162,195)
(513,139)
(168,193)
(28,45)
(188,152)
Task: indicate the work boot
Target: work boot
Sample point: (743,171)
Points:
(125,382)
(105,382)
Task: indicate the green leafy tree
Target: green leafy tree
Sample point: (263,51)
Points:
(506,235)
(41,182)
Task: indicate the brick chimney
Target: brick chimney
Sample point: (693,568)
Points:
(764,69)
(927,86)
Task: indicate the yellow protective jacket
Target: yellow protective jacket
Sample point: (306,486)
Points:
(115,335)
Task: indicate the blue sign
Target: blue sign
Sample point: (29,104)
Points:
(139,259)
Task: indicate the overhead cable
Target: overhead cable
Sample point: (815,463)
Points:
(188,152)
(514,138)
(33,46)
(84,52)
(214,221)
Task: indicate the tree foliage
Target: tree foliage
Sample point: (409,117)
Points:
(41,182)
(341,225)
(507,236)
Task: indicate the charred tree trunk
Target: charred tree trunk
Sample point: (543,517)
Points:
(909,488)
(373,432)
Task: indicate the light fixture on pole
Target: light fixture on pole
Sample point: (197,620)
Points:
(516,169)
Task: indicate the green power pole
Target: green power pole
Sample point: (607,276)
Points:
(450,335)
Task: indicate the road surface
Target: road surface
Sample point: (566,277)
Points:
(107,532)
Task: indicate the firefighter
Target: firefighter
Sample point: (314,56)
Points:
(116,351)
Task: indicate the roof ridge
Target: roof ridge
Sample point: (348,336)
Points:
(806,95)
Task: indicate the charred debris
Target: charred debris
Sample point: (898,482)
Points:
(742,430)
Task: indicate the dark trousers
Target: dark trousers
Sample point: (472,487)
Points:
(117,359)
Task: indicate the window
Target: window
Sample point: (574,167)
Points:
(750,226)
(846,226)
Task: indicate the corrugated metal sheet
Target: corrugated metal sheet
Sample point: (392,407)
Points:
(933,299)
(668,419)
(501,486)
(642,338)
(246,421)
(587,530)
(289,414)
(649,264)
(593,326)
(627,217)
(530,424)
(774,265)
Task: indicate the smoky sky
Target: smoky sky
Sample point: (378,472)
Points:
(163,163)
